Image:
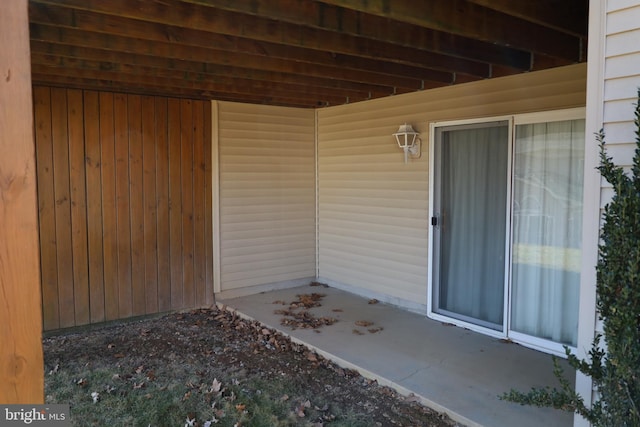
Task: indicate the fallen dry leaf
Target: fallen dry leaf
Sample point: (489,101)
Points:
(190,422)
(412,398)
(374,330)
(363,323)
(303,319)
(308,300)
(215,386)
(324,285)
(240,407)
(357,332)
(373,301)
(337,310)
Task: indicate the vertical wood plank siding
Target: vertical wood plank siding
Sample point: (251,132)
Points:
(124,199)
(373,208)
(267,194)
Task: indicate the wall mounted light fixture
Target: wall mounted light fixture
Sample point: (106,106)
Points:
(408,139)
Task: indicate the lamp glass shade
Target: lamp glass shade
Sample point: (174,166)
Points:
(406,136)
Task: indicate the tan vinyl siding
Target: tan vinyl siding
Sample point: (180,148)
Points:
(373,208)
(267,194)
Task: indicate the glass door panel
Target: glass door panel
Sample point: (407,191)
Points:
(547,226)
(472,164)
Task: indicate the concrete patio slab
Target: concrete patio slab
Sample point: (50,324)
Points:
(450,369)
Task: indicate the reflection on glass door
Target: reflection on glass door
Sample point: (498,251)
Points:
(547,226)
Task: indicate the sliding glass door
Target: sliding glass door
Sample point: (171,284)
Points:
(506,227)
(471,222)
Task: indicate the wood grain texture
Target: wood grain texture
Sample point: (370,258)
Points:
(95,254)
(123,212)
(162,204)
(297,53)
(175,204)
(46,203)
(109,218)
(124,183)
(186,117)
(62,208)
(208,198)
(136,204)
(150,205)
(21,361)
(199,269)
(78,198)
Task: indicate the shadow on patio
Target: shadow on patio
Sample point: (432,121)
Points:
(451,369)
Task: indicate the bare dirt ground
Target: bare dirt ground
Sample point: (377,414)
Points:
(207,359)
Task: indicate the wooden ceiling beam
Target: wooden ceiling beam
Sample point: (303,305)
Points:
(192,39)
(139,74)
(171,84)
(356,23)
(205,69)
(209,55)
(306,53)
(154,90)
(467,19)
(79,14)
(570,16)
(80,39)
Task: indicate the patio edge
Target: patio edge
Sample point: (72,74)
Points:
(466,422)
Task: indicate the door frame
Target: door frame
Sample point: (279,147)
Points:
(433,191)
(513,120)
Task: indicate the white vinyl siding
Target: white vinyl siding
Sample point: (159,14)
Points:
(621,82)
(614,77)
(373,208)
(266,166)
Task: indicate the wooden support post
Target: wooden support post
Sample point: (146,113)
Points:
(21,360)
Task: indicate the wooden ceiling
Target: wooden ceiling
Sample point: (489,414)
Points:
(302,53)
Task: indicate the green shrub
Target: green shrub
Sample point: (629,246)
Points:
(616,371)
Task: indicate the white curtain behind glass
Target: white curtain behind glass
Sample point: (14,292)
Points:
(473,224)
(547,225)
